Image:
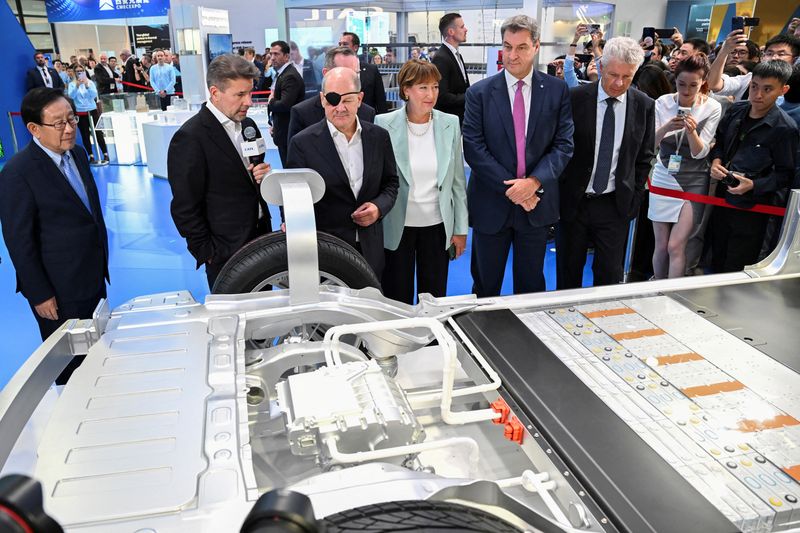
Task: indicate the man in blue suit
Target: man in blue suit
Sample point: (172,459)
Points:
(517,140)
(52,218)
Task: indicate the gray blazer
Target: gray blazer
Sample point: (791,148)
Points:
(450,175)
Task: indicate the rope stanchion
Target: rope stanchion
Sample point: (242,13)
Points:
(713,200)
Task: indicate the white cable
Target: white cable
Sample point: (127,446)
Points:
(396,451)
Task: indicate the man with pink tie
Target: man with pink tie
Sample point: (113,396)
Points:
(517,140)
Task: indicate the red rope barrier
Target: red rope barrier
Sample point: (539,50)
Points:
(713,200)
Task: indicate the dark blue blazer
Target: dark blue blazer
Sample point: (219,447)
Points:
(57,246)
(490,148)
(33,79)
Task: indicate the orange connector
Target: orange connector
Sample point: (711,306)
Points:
(514,431)
(500,406)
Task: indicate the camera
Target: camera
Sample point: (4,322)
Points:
(730,180)
(594,28)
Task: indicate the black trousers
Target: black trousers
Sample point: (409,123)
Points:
(598,222)
(736,238)
(67,310)
(83,127)
(422,249)
(212,271)
(490,254)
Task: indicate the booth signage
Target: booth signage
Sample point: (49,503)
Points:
(78,10)
(151,37)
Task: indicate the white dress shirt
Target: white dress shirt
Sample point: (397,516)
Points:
(422,209)
(735,85)
(48,80)
(458,57)
(511,83)
(351,154)
(232,128)
(619,131)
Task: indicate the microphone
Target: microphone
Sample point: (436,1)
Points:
(254,148)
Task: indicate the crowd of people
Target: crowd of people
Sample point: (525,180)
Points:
(572,151)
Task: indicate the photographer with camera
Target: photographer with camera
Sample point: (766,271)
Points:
(753,158)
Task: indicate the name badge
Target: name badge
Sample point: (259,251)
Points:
(674,163)
(252,148)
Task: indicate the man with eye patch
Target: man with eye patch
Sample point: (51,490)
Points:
(356,160)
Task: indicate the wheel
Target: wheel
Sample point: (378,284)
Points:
(263,263)
(416,515)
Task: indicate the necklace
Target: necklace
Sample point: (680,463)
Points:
(411,130)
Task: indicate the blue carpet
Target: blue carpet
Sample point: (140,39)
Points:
(148,256)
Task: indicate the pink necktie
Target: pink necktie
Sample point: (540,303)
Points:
(519,128)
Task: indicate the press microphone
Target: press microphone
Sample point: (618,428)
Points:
(254,148)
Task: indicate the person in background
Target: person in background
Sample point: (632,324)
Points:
(42,76)
(250,55)
(305,67)
(652,80)
(569,65)
(791,100)
(58,66)
(427,227)
(514,187)
(454,80)
(287,91)
(389,57)
(105,77)
(686,122)
(377,59)
(356,161)
(176,64)
(693,46)
(756,143)
(603,184)
(780,47)
(311,111)
(744,51)
(83,92)
(415,53)
(52,219)
(162,79)
(371,79)
(91,65)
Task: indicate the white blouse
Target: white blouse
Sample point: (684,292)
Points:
(423,195)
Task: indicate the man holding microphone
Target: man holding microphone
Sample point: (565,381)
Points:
(216,202)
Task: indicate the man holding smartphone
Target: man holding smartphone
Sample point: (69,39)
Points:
(782,47)
(754,154)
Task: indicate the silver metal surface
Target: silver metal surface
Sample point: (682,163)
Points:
(785,258)
(271,184)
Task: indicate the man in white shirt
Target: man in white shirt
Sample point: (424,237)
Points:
(782,47)
(448,60)
(105,77)
(356,161)
(216,203)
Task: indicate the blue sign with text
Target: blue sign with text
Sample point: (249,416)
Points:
(77,10)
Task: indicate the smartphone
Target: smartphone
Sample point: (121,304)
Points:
(551,69)
(751,21)
(737,23)
(594,28)
(451,252)
(584,58)
(665,33)
(730,180)
(649,32)
(683,111)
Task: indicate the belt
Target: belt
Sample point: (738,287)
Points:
(594,196)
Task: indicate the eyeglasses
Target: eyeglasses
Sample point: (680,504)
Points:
(778,54)
(61,124)
(739,52)
(335,98)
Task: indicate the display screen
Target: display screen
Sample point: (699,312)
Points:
(218,44)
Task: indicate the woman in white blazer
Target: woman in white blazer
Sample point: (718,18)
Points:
(427,227)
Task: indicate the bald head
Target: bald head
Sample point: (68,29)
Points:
(341,80)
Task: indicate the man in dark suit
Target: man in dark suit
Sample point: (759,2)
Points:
(52,218)
(250,55)
(310,111)
(216,203)
(287,90)
(105,77)
(517,140)
(306,69)
(371,79)
(42,76)
(356,161)
(602,186)
(448,60)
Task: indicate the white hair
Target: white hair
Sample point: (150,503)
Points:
(624,50)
